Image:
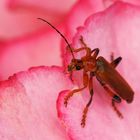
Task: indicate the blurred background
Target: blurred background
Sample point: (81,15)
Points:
(24,40)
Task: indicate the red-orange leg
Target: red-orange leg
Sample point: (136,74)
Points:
(70,94)
(84,116)
(112,56)
(70,75)
(115,62)
(115,99)
(88,50)
(115,108)
(96,52)
(80,49)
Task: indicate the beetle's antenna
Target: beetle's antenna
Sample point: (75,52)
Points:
(59,34)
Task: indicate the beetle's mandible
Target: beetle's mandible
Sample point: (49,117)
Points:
(92,65)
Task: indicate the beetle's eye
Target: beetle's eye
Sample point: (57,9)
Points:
(78,68)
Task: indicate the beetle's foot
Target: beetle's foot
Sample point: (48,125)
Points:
(116,110)
(112,56)
(70,94)
(83,121)
(82,41)
(119,114)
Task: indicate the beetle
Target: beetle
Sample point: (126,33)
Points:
(97,66)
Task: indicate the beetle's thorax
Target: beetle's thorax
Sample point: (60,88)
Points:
(89,64)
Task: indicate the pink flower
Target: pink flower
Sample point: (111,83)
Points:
(30,100)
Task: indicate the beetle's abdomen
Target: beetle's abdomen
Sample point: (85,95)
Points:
(108,75)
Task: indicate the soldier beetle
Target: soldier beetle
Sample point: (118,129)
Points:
(92,65)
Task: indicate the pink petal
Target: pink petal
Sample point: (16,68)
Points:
(28,105)
(40,48)
(17,23)
(114,30)
(80,12)
(19,17)
(107,3)
(57,6)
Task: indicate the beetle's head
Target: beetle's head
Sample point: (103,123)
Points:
(75,65)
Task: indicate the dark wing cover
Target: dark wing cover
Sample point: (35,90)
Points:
(108,75)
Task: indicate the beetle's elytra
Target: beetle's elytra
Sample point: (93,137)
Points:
(92,65)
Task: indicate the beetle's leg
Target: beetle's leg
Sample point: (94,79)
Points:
(82,41)
(80,49)
(115,62)
(88,50)
(112,57)
(118,100)
(96,52)
(89,102)
(115,98)
(70,76)
(70,94)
